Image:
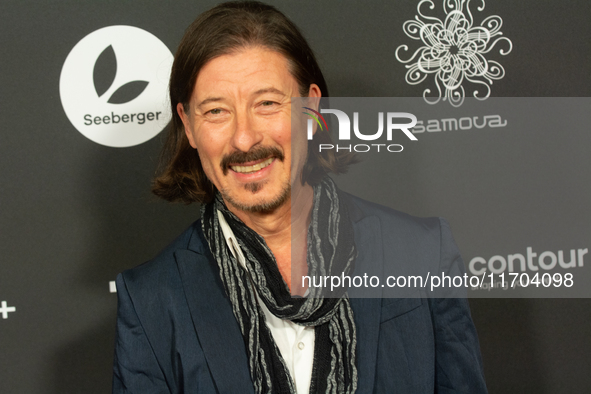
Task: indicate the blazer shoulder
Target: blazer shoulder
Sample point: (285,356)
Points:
(155,273)
(392,219)
(415,244)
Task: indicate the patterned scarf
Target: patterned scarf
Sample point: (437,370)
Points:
(331,251)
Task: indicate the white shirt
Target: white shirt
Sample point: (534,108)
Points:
(295,342)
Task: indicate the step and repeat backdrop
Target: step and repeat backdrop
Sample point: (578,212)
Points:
(83,109)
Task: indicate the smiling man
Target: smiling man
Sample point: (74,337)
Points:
(217,311)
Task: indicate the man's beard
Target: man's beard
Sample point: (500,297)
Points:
(257,153)
(262,207)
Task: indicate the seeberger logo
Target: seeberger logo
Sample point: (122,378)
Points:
(113,86)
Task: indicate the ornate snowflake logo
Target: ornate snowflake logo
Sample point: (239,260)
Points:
(453,51)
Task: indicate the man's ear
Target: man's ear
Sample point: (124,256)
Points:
(314,95)
(180,109)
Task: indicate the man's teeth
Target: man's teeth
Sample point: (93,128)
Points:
(256,167)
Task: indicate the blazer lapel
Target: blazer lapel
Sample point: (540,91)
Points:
(367,311)
(213,319)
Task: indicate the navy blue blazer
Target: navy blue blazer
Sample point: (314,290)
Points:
(176,332)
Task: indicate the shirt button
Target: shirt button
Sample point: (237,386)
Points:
(301,345)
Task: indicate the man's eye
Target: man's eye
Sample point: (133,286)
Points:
(215,111)
(267,103)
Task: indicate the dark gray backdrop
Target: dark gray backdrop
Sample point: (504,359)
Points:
(74,213)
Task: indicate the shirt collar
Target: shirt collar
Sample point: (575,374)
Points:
(231,240)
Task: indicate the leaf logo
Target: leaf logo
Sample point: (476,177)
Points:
(114,86)
(105,70)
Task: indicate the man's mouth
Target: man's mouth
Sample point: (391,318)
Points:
(252,161)
(253,168)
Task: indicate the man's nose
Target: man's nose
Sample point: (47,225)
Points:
(246,133)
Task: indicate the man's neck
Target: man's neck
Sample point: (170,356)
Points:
(285,231)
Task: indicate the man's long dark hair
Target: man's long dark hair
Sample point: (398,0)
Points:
(223,30)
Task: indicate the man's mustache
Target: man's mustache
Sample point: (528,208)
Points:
(254,154)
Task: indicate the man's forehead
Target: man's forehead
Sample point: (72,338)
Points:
(251,71)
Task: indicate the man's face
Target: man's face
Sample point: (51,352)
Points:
(239,120)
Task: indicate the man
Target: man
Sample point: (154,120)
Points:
(217,310)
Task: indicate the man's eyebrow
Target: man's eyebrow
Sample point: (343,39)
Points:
(258,92)
(209,100)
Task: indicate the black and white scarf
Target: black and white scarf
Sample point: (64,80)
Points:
(331,251)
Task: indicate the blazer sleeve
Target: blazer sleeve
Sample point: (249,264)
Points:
(458,366)
(135,368)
